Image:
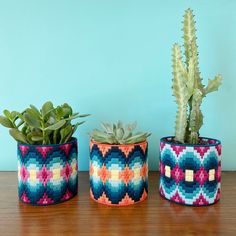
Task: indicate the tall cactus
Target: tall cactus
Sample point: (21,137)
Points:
(187,85)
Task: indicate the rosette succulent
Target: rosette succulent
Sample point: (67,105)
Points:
(118,133)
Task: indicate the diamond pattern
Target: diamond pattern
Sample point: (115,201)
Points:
(177,149)
(66,172)
(44,150)
(195,172)
(45,200)
(201,175)
(23,150)
(47,174)
(44,175)
(201,150)
(118,175)
(176,198)
(24,174)
(104,174)
(126,175)
(177,174)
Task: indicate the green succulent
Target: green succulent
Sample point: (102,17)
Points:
(118,134)
(49,125)
(187,85)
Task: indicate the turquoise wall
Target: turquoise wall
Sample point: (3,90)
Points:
(113,59)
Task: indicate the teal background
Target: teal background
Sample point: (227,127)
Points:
(113,59)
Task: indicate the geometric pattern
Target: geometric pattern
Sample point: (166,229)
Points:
(190,174)
(47,174)
(118,173)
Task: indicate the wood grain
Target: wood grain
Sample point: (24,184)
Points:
(82,216)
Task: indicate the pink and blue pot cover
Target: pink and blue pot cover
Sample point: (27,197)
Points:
(118,173)
(47,174)
(190,174)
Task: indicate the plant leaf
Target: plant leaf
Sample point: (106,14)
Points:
(18,136)
(31,120)
(35,110)
(74,116)
(36,138)
(84,115)
(7,113)
(119,133)
(56,126)
(80,123)
(98,133)
(132,126)
(64,132)
(119,124)
(140,137)
(51,120)
(67,110)
(46,108)
(107,127)
(6,122)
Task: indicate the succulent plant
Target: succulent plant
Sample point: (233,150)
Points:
(49,125)
(118,134)
(187,85)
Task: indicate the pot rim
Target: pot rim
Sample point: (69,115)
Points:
(118,145)
(72,140)
(217,142)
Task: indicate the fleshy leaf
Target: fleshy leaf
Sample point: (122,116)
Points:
(6,122)
(18,136)
(47,107)
(31,120)
(56,126)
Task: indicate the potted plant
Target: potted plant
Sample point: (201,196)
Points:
(190,166)
(118,165)
(47,152)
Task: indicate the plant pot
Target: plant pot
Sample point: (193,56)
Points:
(118,173)
(47,174)
(190,174)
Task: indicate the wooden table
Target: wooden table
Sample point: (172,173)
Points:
(82,216)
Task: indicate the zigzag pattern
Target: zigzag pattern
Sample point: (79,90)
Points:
(47,174)
(118,173)
(190,175)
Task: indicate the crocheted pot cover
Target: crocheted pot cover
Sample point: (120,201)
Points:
(47,174)
(190,174)
(118,173)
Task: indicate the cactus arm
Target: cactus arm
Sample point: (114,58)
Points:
(190,46)
(189,34)
(213,85)
(181,123)
(181,93)
(190,78)
(187,85)
(195,117)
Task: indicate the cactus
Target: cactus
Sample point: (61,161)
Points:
(49,125)
(118,134)
(187,85)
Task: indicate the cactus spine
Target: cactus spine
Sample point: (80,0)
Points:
(187,85)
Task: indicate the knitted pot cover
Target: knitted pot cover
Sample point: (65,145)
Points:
(47,174)
(190,174)
(118,173)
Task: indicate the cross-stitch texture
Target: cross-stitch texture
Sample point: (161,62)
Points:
(47,174)
(190,174)
(118,173)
